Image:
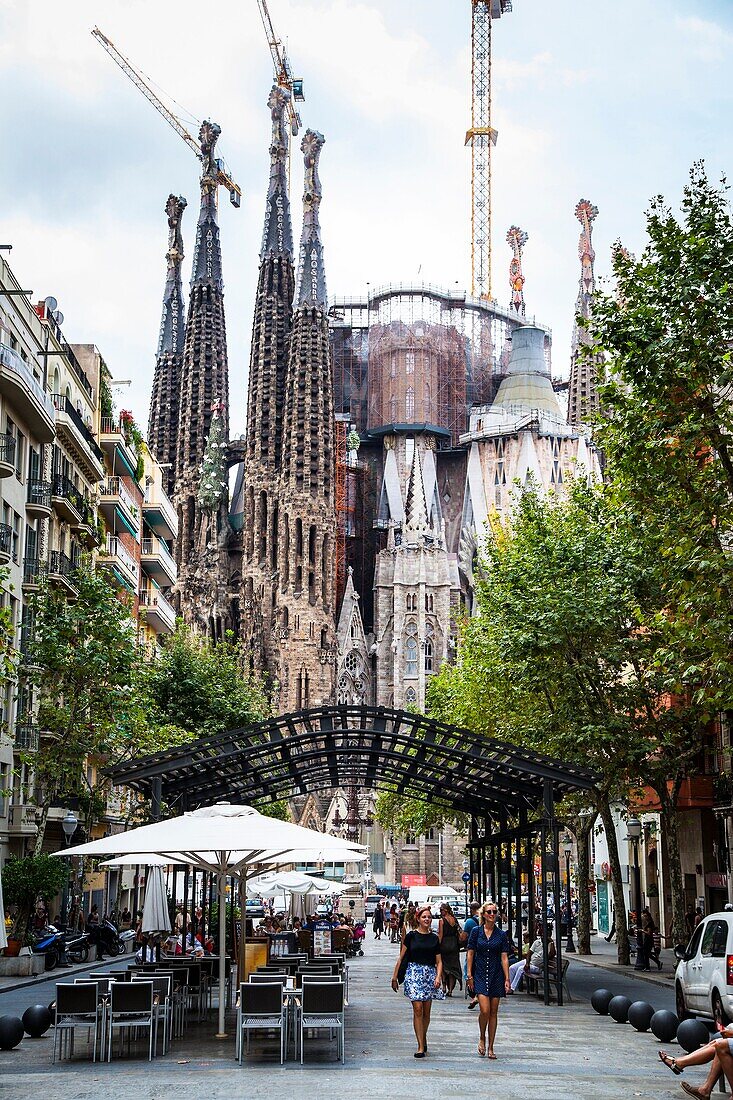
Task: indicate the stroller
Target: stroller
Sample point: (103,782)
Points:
(359,938)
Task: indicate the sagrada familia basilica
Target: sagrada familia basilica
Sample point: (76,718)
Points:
(384,433)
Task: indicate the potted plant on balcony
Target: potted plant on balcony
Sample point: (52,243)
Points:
(24,882)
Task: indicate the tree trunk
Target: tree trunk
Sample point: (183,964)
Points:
(668,802)
(619,902)
(41,820)
(581,827)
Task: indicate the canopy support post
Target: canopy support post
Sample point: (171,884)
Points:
(222,899)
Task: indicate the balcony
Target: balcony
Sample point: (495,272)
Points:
(38,500)
(118,506)
(61,570)
(67,499)
(22,819)
(121,562)
(26,738)
(7,455)
(159,513)
(157,562)
(86,527)
(35,572)
(78,437)
(26,394)
(6,542)
(115,440)
(159,612)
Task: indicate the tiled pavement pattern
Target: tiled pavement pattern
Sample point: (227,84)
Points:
(542,1052)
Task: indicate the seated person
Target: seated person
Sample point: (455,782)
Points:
(719,1052)
(194,947)
(534,962)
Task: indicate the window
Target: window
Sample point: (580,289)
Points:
(353,663)
(714,939)
(411,650)
(411,601)
(410,404)
(429,648)
(393,367)
(431,834)
(694,942)
(393,409)
(409,362)
(410,697)
(410,840)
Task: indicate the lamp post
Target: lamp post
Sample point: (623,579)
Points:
(567,844)
(466,880)
(69,825)
(633,828)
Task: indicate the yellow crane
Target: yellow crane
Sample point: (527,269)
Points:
(481,137)
(281,64)
(223,177)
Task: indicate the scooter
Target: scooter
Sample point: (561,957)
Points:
(50,943)
(108,939)
(77,947)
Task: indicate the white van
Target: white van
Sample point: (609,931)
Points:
(704,977)
(432,895)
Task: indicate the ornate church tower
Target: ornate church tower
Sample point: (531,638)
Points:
(204,392)
(306,516)
(582,387)
(164,400)
(263,449)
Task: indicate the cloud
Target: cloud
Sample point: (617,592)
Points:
(709,41)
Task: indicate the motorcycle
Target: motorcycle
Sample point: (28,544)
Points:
(50,943)
(107,938)
(77,947)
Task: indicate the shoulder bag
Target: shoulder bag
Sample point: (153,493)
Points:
(403,965)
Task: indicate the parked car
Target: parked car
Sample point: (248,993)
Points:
(254,908)
(371,901)
(704,977)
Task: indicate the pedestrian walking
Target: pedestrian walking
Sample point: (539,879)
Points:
(653,940)
(471,922)
(409,924)
(488,973)
(378,922)
(449,934)
(422,965)
(394,924)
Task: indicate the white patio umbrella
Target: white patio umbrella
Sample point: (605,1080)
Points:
(224,839)
(142,859)
(291,882)
(156,917)
(3,933)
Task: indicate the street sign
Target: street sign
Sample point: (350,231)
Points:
(466,877)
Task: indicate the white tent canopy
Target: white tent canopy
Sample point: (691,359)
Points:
(225,839)
(291,882)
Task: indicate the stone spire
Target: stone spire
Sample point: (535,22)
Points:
(306,516)
(268,354)
(204,388)
(416,512)
(164,399)
(582,387)
(516,238)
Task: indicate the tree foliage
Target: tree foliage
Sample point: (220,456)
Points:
(28,879)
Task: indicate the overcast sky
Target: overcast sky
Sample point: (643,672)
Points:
(610,100)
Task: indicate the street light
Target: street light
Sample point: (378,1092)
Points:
(69,825)
(466,880)
(633,828)
(567,843)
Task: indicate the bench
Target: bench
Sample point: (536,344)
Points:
(535,983)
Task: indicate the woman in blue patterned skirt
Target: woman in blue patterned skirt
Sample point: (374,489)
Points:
(487,964)
(424,975)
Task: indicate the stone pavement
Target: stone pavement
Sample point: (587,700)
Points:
(542,1052)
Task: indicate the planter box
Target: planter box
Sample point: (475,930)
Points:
(23,967)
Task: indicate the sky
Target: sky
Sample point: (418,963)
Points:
(610,100)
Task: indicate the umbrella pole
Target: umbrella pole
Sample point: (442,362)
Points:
(243,938)
(222,890)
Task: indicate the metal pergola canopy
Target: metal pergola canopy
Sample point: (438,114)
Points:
(347,746)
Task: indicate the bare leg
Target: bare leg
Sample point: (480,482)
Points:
(726,1060)
(427,1007)
(711,1080)
(418,1023)
(698,1057)
(493,1021)
(484,1008)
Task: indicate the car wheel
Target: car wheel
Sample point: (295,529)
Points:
(682,1013)
(719,1014)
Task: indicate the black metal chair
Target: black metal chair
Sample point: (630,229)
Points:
(77,1007)
(322,1009)
(261,1007)
(131,1006)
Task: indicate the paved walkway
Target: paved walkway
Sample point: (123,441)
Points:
(542,1052)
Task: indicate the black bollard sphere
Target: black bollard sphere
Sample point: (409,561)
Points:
(600,999)
(618,1009)
(11,1032)
(36,1021)
(640,1015)
(692,1034)
(664,1025)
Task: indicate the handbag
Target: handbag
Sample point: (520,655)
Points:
(403,965)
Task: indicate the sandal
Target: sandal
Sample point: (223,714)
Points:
(670,1063)
(492,1056)
(692,1091)
(482,1047)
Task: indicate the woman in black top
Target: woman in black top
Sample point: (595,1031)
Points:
(424,975)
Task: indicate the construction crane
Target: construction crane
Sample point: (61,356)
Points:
(481,137)
(283,72)
(223,177)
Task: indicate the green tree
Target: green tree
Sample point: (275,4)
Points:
(83,664)
(28,879)
(667,431)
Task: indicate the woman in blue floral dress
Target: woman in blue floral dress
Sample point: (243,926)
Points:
(487,964)
(423,976)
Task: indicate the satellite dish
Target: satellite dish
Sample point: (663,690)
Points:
(51,303)
(58,317)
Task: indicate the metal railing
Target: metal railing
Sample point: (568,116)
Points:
(13,362)
(116,549)
(39,493)
(115,487)
(60,564)
(34,570)
(27,737)
(62,486)
(155,598)
(6,539)
(156,546)
(7,448)
(62,404)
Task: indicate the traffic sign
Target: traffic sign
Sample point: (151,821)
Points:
(466,877)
